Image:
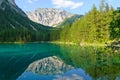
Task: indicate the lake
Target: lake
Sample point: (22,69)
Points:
(21,61)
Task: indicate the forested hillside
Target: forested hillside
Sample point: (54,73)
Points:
(98,25)
(16,27)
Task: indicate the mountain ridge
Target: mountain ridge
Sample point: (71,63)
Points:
(15,26)
(11,4)
(48,16)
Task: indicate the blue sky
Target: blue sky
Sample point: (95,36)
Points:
(73,6)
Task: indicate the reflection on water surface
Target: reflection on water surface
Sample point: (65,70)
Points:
(86,62)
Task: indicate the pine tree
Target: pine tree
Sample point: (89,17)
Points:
(115,25)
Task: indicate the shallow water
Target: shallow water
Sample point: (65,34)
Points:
(90,63)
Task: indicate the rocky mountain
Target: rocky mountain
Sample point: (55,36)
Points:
(15,25)
(49,16)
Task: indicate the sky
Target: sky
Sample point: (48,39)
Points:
(72,6)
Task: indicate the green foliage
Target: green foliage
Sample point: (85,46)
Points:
(96,26)
(115,25)
(69,20)
(92,27)
(64,33)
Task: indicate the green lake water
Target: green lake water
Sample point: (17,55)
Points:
(90,63)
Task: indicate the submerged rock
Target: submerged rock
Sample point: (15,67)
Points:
(49,65)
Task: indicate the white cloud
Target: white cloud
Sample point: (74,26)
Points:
(31,1)
(66,4)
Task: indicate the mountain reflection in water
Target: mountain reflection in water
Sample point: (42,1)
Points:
(53,68)
(97,62)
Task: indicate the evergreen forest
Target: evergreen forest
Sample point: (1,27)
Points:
(99,25)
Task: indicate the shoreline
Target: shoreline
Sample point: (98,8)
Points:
(58,42)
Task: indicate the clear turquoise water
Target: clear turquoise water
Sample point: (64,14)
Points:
(93,61)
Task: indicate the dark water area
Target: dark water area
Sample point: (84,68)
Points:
(90,63)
